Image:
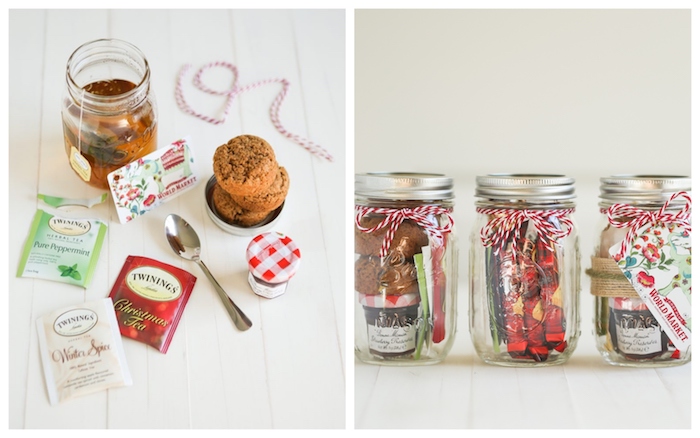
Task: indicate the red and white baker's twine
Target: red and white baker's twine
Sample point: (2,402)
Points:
(234,91)
(506,221)
(624,215)
(423,216)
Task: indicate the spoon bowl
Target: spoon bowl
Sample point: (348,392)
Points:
(184,241)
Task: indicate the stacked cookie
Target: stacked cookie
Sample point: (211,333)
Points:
(250,182)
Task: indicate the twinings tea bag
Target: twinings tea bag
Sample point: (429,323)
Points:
(149,298)
(62,249)
(81,350)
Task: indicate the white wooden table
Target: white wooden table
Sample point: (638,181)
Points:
(288,371)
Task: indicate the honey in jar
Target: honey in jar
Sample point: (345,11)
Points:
(109,112)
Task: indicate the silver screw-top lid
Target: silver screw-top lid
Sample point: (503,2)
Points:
(404,186)
(525,187)
(652,189)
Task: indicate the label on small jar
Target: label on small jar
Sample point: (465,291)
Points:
(392,331)
(658,265)
(265,289)
(636,333)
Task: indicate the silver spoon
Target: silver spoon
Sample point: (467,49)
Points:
(185,242)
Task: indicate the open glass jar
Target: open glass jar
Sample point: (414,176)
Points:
(109,111)
(405,268)
(640,271)
(524,270)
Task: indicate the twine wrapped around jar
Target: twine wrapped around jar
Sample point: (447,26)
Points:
(608,281)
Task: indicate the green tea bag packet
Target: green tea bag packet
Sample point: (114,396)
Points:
(62,249)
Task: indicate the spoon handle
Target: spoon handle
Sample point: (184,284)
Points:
(240,320)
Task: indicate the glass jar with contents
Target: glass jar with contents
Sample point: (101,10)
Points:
(524,270)
(109,111)
(640,271)
(405,268)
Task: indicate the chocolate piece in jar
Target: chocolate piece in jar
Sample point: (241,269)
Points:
(395,277)
(149,299)
(409,238)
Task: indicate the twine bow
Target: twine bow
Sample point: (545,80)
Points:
(234,91)
(635,218)
(423,216)
(551,225)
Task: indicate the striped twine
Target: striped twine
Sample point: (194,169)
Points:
(423,216)
(234,91)
(624,215)
(551,225)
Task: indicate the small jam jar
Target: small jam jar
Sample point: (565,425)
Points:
(109,111)
(405,268)
(641,271)
(273,259)
(524,270)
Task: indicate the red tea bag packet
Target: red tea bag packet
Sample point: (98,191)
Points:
(149,298)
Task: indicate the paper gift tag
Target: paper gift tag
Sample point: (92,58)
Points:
(657,264)
(144,184)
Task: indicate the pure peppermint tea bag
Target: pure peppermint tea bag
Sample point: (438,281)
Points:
(62,249)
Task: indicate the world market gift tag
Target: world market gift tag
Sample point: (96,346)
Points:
(144,184)
(657,264)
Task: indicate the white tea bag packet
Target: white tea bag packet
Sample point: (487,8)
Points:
(81,350)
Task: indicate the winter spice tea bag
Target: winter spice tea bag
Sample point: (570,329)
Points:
(149,298)
(144,184)
(62,249)
(81,350)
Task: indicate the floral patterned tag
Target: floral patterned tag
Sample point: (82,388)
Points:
(657,264)
(144,184)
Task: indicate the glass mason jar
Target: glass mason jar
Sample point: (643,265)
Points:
(640,271)
(524,270)
(405,268)
(109,111)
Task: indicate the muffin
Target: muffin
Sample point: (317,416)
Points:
(409,239)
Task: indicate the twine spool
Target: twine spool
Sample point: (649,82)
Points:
(608,281)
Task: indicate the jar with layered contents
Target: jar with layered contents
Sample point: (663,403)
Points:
(109,111)
(524,270)
(405,268)
(641,271)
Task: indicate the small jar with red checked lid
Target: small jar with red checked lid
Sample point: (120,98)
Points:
(640,271)
(273,259)
(524,270)
(405,268)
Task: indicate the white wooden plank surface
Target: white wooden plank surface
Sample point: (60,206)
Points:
(288,370)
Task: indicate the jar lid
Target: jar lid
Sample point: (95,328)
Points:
(530,187)
(273,257)
(642,188)
(404,185)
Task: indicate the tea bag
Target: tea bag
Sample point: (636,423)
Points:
(81,350)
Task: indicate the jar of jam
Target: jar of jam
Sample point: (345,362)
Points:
(640,271)
(109,111)
(524,270)
(405,268)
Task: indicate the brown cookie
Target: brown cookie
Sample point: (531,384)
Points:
(269,198)
(233,213)
(245,165)
(408,240)
(396,276)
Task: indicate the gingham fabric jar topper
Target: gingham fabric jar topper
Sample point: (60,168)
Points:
(273,259)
